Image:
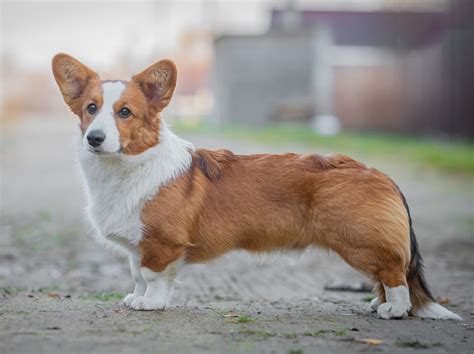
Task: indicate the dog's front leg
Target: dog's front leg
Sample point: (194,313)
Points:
(158,287)
(140,283)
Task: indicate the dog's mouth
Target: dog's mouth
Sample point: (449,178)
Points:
(99,151)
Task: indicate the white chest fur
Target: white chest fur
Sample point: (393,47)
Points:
(117,186)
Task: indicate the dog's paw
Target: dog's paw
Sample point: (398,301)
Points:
(374,304)
(390,310)
(127,300)
(148,303)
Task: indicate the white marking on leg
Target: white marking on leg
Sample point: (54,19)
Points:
(398,302)
(140,283)
(158,288)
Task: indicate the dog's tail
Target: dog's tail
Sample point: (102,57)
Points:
(423,303)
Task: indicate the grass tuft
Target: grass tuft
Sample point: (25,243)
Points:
(256,333)
(368,298)
(317,333)
(245,319)
(338,332)
(341,332)
(12,291)
(295,351)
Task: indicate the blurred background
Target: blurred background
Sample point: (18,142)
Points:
(334,65)
(389,82)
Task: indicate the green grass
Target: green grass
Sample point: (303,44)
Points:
(11,290)
(245,319)
(448,156)
(225,298)
(250,332)
(102,296)
(368,298)
(317,333)
(44,215)
(256,333)
(341,332)
(290,335)
(295,351)
(265,334)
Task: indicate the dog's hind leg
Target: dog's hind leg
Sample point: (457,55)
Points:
(397,295)
(379,299)
(386,264)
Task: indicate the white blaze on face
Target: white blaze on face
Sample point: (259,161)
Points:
(105,118)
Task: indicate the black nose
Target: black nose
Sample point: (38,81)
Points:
(95,137)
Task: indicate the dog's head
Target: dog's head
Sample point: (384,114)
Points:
(116,116)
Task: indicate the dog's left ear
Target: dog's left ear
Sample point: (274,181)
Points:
(157,83)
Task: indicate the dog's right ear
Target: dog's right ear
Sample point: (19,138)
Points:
(72,78)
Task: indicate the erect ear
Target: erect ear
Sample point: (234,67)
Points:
(157,82)
(72,78)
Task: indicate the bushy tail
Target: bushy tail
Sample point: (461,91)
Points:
(423,302)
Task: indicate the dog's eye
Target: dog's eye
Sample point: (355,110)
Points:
(92,108)
(124,112)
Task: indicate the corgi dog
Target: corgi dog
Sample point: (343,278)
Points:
(165,204)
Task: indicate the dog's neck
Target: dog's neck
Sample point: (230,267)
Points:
(140,175)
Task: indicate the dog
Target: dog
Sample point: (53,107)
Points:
(166,204)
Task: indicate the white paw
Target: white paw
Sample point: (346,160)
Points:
(127,300)
(374,304)
(148,303)
(390,310)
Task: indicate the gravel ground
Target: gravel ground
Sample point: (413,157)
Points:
(60,291)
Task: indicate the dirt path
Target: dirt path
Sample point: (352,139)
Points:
(59,290)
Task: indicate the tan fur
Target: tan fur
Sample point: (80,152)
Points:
(272,202)
(146,95)
(139,132)
(258,203)
(79,86)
